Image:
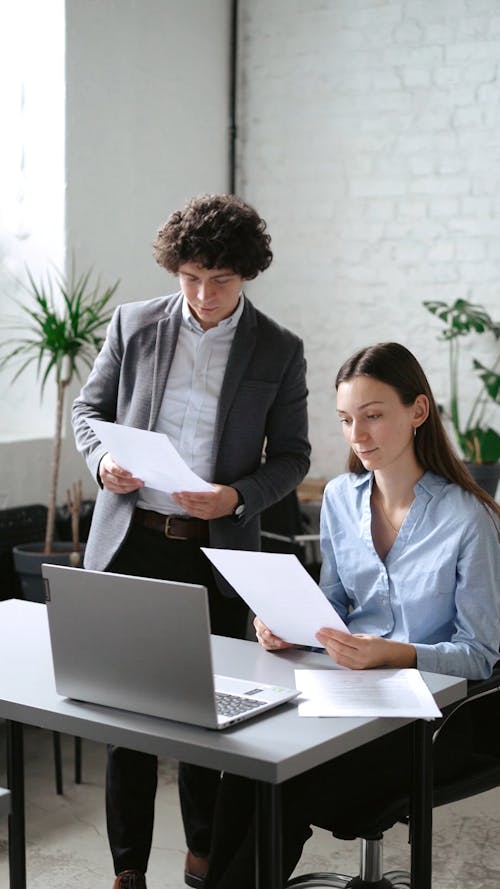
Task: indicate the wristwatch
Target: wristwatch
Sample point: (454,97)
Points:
(239,509)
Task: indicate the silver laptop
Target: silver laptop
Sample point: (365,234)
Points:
(144,645)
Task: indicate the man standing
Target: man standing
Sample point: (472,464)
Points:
(227,385)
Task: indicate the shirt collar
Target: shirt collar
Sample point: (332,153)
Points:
(226,323)
(362,479)
(430,482)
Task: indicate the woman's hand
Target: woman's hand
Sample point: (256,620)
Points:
(116,479)
(359,651)
(267,639)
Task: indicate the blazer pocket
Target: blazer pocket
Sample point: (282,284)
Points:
(256,391)
(251,385)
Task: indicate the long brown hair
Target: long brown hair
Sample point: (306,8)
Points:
(393,364)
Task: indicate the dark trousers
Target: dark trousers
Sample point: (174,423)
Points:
(349,796)
(131,777)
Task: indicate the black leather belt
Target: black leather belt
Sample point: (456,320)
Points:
(174,527)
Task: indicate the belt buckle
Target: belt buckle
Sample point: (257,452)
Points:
(167,531)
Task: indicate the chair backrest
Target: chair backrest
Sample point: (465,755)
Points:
(481,770)
(486,712)
(18,524)
(284,517)
(481,713)
(285,529)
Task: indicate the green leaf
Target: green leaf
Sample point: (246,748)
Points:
(481,445)
(462,317)
(491,380)
(73,326)
(60,317)
(459,319)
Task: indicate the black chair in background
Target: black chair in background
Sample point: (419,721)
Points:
(482,773)
(285,528)
(20,524)
(26,524)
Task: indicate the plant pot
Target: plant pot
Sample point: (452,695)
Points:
(28,560)
(486,475)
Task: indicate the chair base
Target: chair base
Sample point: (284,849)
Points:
(394,879)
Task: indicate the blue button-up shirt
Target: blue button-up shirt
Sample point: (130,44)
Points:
(438,586)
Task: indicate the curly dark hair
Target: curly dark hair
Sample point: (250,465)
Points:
(215,231)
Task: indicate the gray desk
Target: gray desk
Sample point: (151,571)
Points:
(269,749)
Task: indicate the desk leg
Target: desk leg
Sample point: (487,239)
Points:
(15,778)
(421,806)
(268,846)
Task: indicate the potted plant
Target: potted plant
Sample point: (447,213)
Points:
(478,441)
(62,326)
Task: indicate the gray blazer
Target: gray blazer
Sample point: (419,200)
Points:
(260,442)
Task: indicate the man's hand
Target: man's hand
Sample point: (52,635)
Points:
(267,639)
(116,479)
(364,652)
(208,504)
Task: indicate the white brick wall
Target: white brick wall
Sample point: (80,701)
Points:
(370,140)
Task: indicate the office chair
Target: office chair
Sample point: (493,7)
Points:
(26,524)
(19,524)
(482,773)
(285,528)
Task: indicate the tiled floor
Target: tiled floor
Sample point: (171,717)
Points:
(67,846)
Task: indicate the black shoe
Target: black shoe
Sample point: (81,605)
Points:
(195,871)
(130,879)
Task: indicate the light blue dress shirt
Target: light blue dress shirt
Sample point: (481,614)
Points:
(439,585)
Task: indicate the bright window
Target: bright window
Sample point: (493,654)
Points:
(31,181)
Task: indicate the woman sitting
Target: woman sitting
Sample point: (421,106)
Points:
(411,562)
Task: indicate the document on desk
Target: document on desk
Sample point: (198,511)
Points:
(149,456)
(280,591)
(365,693)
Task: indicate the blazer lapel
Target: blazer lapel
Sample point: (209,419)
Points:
(240,354)
(166,340)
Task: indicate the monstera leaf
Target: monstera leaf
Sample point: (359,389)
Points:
(476,438)
(481,445)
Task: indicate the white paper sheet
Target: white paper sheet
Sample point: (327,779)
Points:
(280,591)
(364,693)
(149,456)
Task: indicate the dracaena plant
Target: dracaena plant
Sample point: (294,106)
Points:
(478,441)
(61,329)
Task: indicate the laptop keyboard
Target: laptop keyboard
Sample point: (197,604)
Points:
(233,705)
